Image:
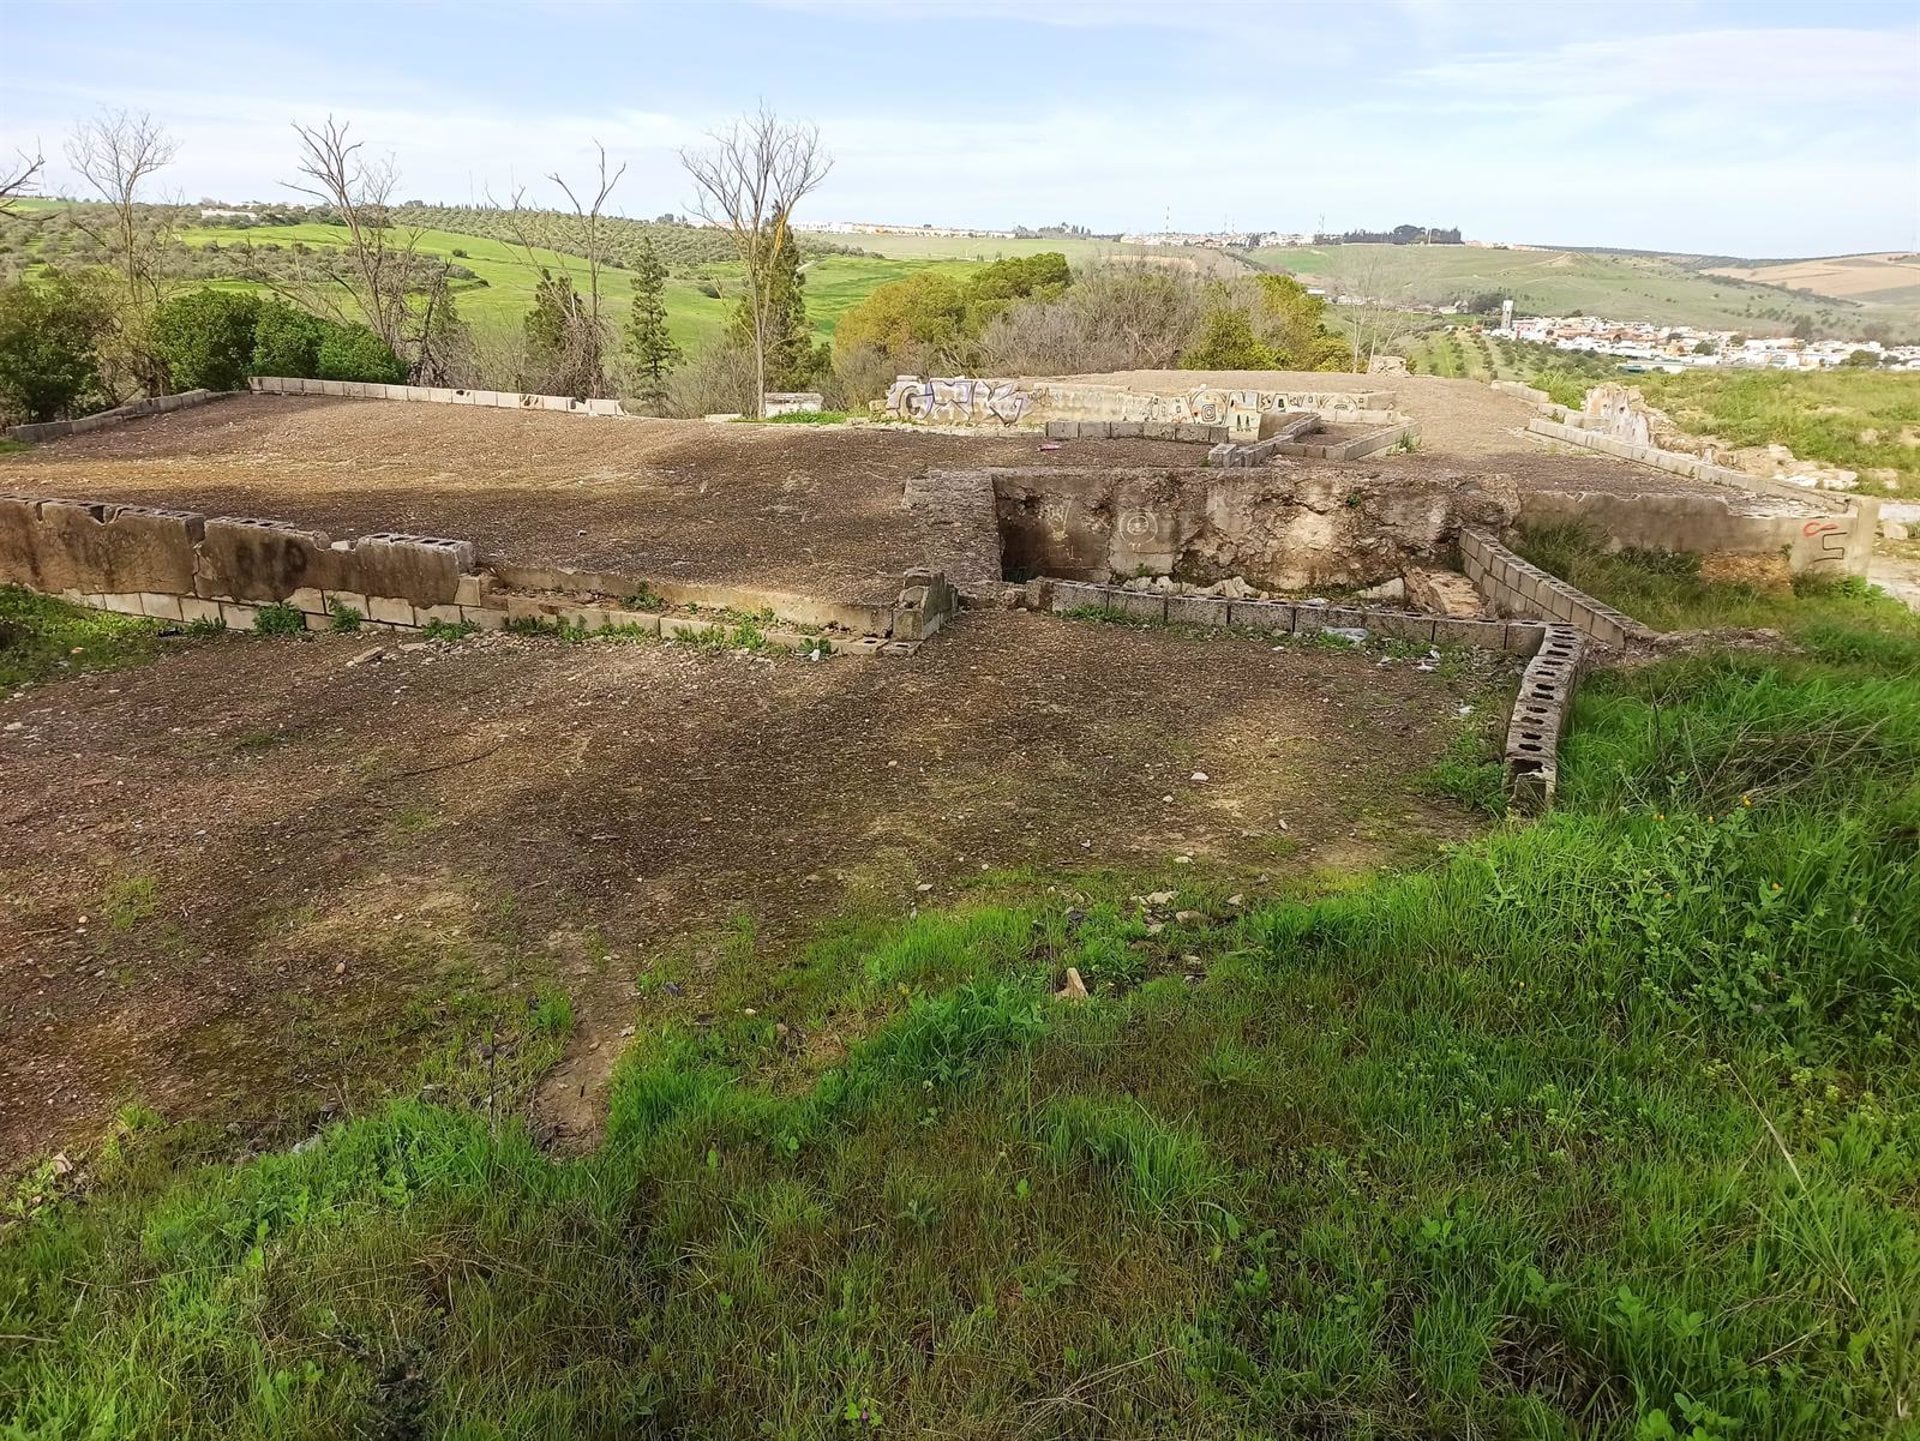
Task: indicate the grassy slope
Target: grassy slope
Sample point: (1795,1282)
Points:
(1860,419)
(1607,1126)
(1550,282)
(834,283)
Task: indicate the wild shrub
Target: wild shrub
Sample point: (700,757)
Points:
(205,338)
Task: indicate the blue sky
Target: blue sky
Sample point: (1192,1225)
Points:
(1747,129)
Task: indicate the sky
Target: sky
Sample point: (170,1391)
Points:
(1757,130)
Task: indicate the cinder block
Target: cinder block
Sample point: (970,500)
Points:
(639,620)
(160,607)
(1144,604)
(1077,595)
(1125,430)
(1192,430)
(1197,610)
(389,610)
(1159,429)
(472,589)
(486,617)
(239,617)
(1522,637)
(1403,625)
(1481,634)
(1267,615)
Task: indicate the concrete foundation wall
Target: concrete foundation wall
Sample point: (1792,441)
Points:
(1281,530)
(1815,531)
(119,415)
(1514,587)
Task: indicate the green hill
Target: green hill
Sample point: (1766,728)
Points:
(1663,289)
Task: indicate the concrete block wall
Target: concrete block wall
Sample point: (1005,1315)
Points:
(181,566)
(1540,716)
(1514,587)
(1517,637)
(787,608)
(431,395)
(133,410)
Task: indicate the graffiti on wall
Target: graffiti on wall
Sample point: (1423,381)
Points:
(1833,542)
(957,401)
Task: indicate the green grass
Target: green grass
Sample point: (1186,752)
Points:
(835,283)
(41,638)
(1864,420)
(1664,590)
(1619,286)
(1604,1126)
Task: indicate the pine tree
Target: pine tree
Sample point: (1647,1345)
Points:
(792,363)
(648,342)
(563,351)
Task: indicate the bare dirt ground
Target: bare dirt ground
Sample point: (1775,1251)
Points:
(1458,418)
(248,881)
(806,509)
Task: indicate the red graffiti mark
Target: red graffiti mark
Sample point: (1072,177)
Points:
(1819,527)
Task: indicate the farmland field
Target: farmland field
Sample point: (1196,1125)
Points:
(835,283)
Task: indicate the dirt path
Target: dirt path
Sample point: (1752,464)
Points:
(249,881)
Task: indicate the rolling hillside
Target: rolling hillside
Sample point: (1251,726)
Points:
(1657,288)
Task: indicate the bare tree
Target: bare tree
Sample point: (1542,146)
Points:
(19,180)
(117,152)
(1370,313)
(748,183)
(575,354)
(377,269)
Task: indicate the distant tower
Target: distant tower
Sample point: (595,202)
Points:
(1506,313)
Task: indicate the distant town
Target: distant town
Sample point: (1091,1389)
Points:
(1674,348)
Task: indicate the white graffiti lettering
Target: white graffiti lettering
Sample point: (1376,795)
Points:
(957,400)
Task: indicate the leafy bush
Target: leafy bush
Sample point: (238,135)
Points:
(353,352)
(206,339)
(286,341)
(50,332)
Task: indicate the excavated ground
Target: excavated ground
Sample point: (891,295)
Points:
(812,510)
(249,881)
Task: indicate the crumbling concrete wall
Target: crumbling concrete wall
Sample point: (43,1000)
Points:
(178,565)
(1814,530)
(1540,716)
(96,547)
(1281,530)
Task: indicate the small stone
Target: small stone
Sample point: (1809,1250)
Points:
(1074,990)
(1236,900)
(1185,916)
(340,968)
(1200,775)
(1183,860)
(924,887)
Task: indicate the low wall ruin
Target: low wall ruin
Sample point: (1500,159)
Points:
(1515,587)
(177,565)
(1814,530)
(1008,401)
(120,414)
(431,395)
(1541,709)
